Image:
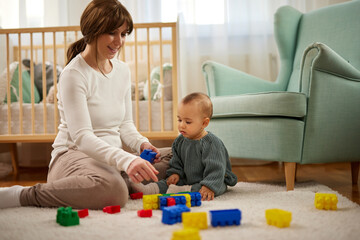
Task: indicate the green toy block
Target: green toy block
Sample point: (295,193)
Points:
(67,217)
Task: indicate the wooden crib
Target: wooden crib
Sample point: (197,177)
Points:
(28,108)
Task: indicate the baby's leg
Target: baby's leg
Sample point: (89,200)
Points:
(150,188)
(163,165)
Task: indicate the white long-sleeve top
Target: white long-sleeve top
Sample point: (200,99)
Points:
(96,113)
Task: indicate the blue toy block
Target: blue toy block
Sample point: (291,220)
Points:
(225,217)
(172,215)
(195,198)
(148,155)
(179,200)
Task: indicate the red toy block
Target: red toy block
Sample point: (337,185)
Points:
(83,213)
(137,195)
(171,202)
(112,209)
(145,213)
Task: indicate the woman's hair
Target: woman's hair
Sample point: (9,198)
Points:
(203,101)
(99,17)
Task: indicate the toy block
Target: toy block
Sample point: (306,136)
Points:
(83,213)
(195,220)
(151,201)
(326,201)
(172,215)
(67,217)
(170,202)
(187,233)
(112,209)
(226,217)
(187,197)
(179,200)
(148,155)
(277,217)
(144,213)
(195,198)
(138,195)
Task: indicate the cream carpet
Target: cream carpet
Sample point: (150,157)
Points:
(251,198)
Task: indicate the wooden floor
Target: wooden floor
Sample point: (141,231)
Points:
(337,176)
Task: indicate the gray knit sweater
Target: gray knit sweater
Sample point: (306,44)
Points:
(203,162)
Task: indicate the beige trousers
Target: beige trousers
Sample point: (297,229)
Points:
(76,180)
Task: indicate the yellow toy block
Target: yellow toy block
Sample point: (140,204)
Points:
(277,217)
(186,233)
(195,220)
(326,201)
(151,201)
(187,197)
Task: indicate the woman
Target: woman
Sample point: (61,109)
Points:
(88,164)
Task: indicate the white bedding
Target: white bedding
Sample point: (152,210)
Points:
(39,118)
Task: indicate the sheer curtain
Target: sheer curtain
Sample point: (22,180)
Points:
(237,33)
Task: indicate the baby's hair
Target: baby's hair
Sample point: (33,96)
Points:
(202,100)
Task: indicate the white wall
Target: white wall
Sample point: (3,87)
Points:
(74,11)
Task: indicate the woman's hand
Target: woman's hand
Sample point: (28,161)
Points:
(147,145)
(173,179)
(206,193)
(140,170)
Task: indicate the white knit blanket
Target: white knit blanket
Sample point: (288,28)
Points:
(251,198)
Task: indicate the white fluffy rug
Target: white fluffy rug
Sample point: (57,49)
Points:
(251,198)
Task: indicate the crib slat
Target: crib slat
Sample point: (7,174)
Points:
(44,83)
(161,81)
(149,78)
(174,76)
(56,114)
(32,83)
(137,122)
(20,84)
(8,83)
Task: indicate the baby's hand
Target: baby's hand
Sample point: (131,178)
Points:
(206,194)
(173,179)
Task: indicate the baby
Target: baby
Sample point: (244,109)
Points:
(200,161)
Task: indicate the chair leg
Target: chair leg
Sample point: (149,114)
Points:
(14,158)
(290,169)
(355,172)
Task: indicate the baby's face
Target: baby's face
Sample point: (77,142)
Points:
(190,121)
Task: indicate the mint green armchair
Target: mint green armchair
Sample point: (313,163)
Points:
(311,113)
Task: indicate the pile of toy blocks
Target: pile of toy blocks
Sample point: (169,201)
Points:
(68,217)
(176,208)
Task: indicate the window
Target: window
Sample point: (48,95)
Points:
(200,12)
(21,13)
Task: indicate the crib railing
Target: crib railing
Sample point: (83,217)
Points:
(146,43)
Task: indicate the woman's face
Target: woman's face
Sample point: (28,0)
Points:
(108,44)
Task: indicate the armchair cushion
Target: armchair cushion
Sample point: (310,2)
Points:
(282,104)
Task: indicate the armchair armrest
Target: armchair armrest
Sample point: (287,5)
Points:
(222,80)
(320,57)
(332,86)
